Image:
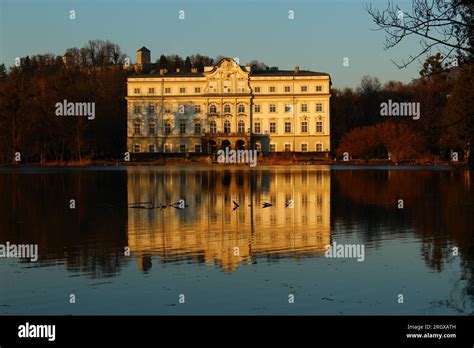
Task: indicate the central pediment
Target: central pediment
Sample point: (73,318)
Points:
(226,65)
(227,77)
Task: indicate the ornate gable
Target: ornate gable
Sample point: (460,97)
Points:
(227,77)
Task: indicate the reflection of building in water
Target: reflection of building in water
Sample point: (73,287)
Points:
(210,231)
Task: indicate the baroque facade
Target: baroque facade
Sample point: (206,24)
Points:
(227,105)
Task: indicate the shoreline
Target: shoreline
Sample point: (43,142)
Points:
(179,162)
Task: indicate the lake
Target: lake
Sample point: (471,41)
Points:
(171,240)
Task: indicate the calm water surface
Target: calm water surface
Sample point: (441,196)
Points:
(238,261)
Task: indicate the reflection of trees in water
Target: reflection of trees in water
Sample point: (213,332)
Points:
(382,188)
(438,205)
(89,239)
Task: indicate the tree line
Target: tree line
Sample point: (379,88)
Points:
(30,91)
(445,125)
(28,95)
(197,61)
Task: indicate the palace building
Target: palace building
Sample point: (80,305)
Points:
(227,105)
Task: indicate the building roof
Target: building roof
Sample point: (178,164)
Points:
(168,74)
(253,73)
(143,49)
(287,73)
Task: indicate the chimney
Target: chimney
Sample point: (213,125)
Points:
(194,70)
(297,69)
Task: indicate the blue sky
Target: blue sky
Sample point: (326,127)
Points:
(322,33)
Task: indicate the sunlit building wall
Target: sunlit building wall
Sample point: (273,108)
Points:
(227,105)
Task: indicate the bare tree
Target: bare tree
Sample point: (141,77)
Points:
(257,65)
(444,24)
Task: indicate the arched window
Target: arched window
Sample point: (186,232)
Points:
(227,109)
(227,127)
(213,109)
(241,127)
(241,109)
(212,127)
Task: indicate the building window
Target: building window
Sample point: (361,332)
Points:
(241,127)
(167,128)
(167,148)
(287,127)
(213,109)
(273,127)
(182,147)
(197,109)
(287,89)
(136,109)
(257,127)
(273,108)
(257,89)
(182,90)
(304,147)
(273,148)
(151,148)
(272,89)
(257,108)
(319,107)
(137,128)
(227,109)
(167,90)
(241,109)
(151,109)
(167,110)
(288,108)
(319,88)
(304,88)
(136,148)
(319,147)
(319,127)
(319,200)
(197,128)
(151,129)
(213,127)
(304,127)
(287,147)
(151,91)
(136,90)
(182,128)
(197,148)
(304,107)
(197,89)
(227,127)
